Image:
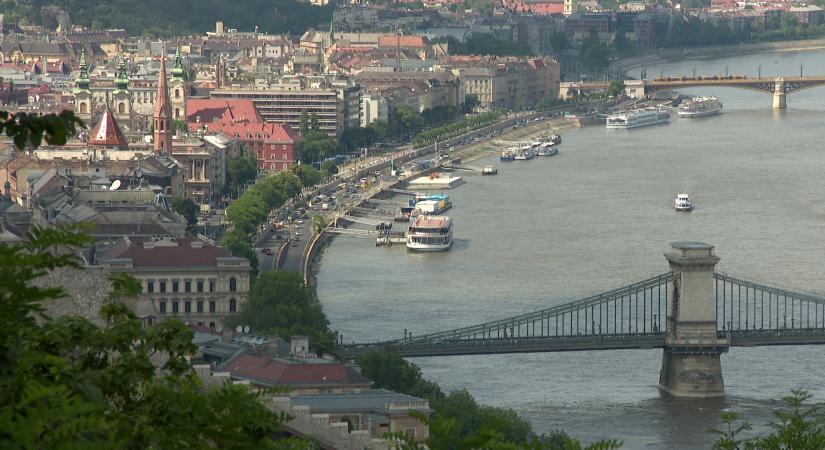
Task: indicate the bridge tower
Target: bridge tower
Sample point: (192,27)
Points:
(691,364)
(779,99)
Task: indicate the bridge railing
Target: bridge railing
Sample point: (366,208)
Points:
(743,305)
(633,309)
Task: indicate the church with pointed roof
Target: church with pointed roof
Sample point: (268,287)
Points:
(132,99)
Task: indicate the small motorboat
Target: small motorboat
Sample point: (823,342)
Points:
(682,203)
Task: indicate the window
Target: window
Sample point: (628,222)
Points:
(83,108)
(232,305)
(177,93)
(175,286)
(211,286)
(163,286)
(187,306)
(121,108)
(162,307)
(175,307)
(187,286)
(212,306)
(150,286)
(200,306)
(233,284)
(200,286)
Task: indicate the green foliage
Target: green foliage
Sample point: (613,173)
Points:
(157,17)
(799,425)
(309,175)
(616,88)
(459,422)
(238,244)
(314,124)
(593,53)
(317,146)
(486,44)
(281,303)
(329,168)
(389,370)
(68,383)
(304,124)
(242,170)
(318,223)
(27,129)
(187,208)
(457,128)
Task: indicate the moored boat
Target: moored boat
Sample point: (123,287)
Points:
(489,170)
(700,107)
(508,154)
(638,118)
(430,234)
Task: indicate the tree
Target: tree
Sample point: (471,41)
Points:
(470,103)
(187,208)
(594,54)
(318,223)
(314,124)
(316,146)
(616,88)
(389,370)
(303,127)
(309,175)
(798,426)
(242,170)
(281,303)
(329,168)
(68,383)
(26,129)
(238,245)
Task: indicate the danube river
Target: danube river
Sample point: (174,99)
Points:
(597,216)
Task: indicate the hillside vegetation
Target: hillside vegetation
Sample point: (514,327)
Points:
(163,17)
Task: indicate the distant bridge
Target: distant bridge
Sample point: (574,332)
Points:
(779,87)
(692,312)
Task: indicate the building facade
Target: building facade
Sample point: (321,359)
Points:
(185,279)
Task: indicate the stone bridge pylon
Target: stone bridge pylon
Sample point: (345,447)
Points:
(691,364)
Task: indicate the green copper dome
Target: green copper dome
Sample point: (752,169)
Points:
(177,70)
(82,82)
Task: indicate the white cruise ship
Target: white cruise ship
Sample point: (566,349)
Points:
(430,234)
(700,107)
(638,118)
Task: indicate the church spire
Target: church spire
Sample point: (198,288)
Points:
(122,79)
(82,80)
(177,70)
(163,112)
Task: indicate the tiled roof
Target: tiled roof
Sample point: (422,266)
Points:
(169,256)
(403,41)
(107,131)
(223,110)
(268,371)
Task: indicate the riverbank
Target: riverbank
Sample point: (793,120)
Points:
(669,55)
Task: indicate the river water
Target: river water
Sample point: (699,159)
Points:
(598,216)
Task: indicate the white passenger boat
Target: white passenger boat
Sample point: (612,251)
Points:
(638,118)
(509,154)
(700,107)
(430,234)
(682,203)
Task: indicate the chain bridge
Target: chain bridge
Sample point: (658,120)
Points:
(778,87)
(691,312)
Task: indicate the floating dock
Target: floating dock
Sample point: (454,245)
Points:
(437,182)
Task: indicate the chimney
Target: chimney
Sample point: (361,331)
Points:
(299,346)
(226,334)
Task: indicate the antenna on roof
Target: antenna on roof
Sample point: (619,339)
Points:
(115,185)
(245,329)
(239,329)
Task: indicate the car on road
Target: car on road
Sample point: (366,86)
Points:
(266,251)
(299,221)
(294,243)
(297,232)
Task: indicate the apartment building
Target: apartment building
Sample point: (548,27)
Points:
(507,82)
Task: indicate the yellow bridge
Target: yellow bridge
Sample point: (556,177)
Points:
(779,87)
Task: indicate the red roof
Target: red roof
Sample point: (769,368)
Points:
(181,255)
(402,41)
(266,370)
(228,111)
(107,131)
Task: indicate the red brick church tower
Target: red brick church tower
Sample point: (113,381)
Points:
(163,113)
